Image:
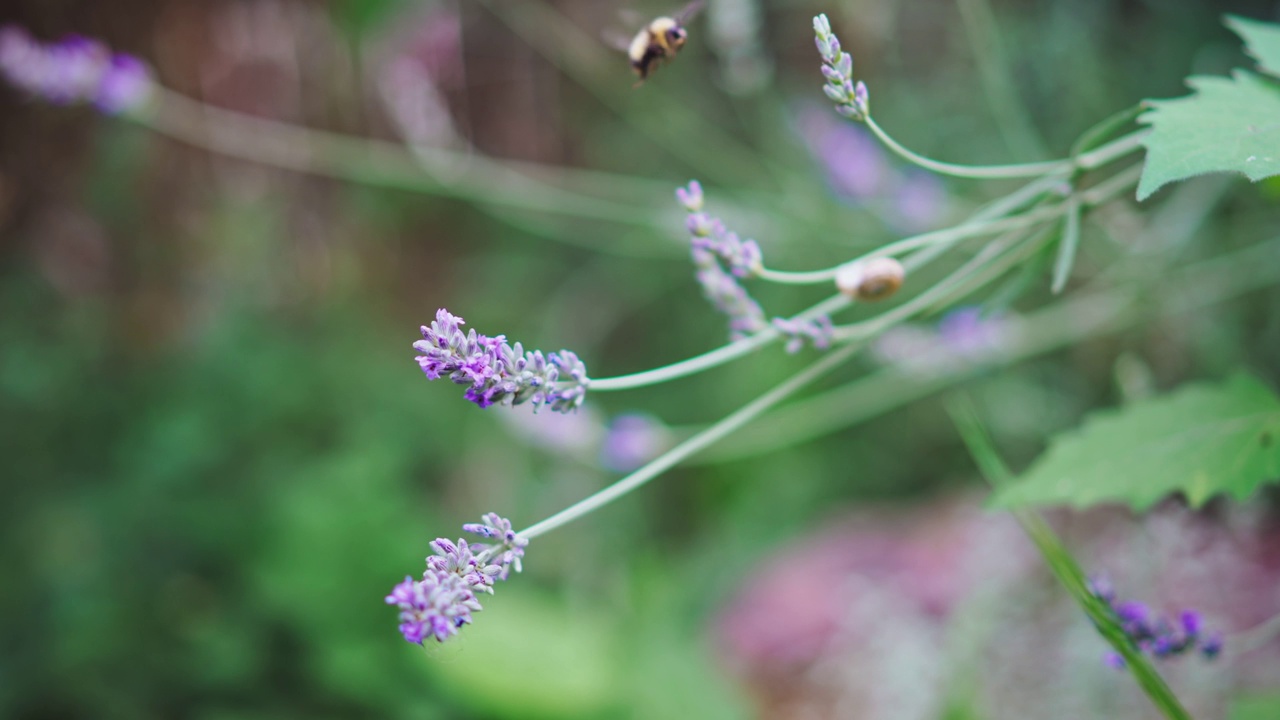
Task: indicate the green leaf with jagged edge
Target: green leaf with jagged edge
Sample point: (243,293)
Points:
(1227,125)
(1200,440)
(1261,41)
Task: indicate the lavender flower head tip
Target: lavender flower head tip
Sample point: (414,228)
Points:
(821,25)
(439,604)
(73,70)
(691,196)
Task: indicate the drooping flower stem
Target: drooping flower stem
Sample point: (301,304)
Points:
(715,432)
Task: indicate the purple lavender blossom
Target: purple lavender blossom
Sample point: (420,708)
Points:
(496,372)
(721,257)
(1154,635)
(818,331)
(507,551)
(851,98)
(73,70)
(444,599)
(435,606)
(709,237)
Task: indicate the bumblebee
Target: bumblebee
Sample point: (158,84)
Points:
(660,40)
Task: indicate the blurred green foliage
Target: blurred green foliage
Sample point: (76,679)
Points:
(218,455)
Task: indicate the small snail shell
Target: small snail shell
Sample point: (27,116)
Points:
(874,279)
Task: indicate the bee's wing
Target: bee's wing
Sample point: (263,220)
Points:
(631,18)
(616,40)
(688,11)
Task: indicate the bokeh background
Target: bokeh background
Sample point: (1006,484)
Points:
(218,455)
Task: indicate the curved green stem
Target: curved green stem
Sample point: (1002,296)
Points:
(1087,161)
(719,356)
(715,432)
(980,172)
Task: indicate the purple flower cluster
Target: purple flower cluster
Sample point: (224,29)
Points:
(499,373)
(851,98)
(818,331)
(1156,635)
(721,258)
(73,70)
(443,600)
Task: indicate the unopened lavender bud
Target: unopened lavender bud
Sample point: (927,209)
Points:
(690,197)
(874,279)
(824,46)
(861,98)
(832,75)
(821,25)
(844,65)
(837,94)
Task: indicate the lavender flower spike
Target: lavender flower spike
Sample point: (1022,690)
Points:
(1155,635)
(851,98)
(74,70)
(496,372)
(439,604)
(721,257)
(818,331)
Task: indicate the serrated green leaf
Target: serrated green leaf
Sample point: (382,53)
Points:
(1261,41)
(1200,440)
(1228,125)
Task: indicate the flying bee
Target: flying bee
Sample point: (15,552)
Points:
(660,40)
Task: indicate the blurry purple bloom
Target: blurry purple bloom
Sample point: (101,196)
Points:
(690,197)
(1212,647)
(125,84)
(966,332)
(1113,660)
(633,440)
(817,331)
(497,372)
(74,70)
(1101,588)
(1190,622)
(919,202)
(1154,635)
(855,165)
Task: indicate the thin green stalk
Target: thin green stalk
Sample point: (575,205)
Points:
(715,432)
(988,220)
(719,356)
(988,257)
(1066,248)
(1088,161)
(1065,567)
(1044,331)
(469,176)
(977,172)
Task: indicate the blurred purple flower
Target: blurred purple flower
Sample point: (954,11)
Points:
(73,70)
(919,202)
(1155,635)
(633,440)
(855,165)
(962,334)
(499,373)
(444,599)
(818,331)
